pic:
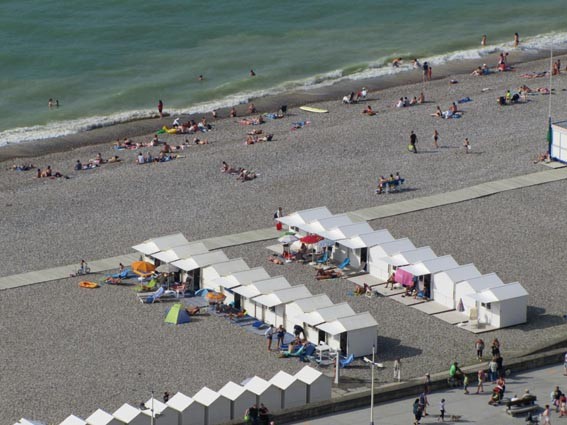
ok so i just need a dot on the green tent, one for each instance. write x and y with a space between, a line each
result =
177 315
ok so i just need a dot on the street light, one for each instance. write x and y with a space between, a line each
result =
372 365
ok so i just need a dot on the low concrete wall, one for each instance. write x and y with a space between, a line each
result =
409 388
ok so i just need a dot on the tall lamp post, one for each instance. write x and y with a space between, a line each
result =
372 365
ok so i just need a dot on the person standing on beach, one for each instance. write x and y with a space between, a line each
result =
467 145
398 369
435 138
269 336
429 73
413 142
483 41
425 68
481 376
160 108
516 39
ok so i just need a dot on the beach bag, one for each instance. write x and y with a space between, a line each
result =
410 148
278 226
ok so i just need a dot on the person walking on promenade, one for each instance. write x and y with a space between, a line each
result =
481 376
398 369
479 346
442 411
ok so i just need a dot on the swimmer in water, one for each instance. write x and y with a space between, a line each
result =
516 39
252 73
483 41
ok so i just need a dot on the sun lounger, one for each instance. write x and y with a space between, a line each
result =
160 295
124 274
150 287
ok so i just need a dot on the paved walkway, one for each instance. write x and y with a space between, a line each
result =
365 214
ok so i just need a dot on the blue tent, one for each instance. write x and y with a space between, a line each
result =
177 315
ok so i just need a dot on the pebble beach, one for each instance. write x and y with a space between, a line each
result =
80 350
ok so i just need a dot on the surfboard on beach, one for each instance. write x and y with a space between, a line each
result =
316 110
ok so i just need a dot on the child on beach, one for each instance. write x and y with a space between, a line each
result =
481 376
467 145
442 411
435 138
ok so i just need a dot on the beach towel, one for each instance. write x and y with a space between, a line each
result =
299 124
403 277
464 100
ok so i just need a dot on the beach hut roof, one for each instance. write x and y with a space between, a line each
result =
347 231
158 407
25 421
349 323
242 278
126 413
480 283
232 390
499 293
433 265
179 402
283 380
366 240
73 420
100 417
181 251
326 314
305 216
458 274
206 396
256 385
151 246
262 287
308 375
387 249
228 267
283 296
200 260
323 224
312 303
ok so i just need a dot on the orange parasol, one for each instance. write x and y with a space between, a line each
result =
216 297
142 266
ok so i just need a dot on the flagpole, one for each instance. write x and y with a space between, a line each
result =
550 80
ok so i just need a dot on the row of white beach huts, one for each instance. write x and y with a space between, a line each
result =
272 300
208 407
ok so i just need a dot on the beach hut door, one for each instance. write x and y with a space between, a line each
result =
344 339
237 301
322 337
363 255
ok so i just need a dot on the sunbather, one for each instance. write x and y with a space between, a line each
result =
275 259
327 274
361 289
22 167
391 280
369 111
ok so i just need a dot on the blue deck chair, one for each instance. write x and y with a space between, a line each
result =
344 264
345 362
324 258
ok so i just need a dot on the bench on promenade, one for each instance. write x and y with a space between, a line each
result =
521 405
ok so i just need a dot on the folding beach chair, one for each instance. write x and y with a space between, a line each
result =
347 361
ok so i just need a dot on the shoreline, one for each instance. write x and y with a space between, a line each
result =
146 126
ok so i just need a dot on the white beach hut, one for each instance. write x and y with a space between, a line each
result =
264 391
240 399
322 225
151 246
347 231
129 415
243 295
354 335
210 273
24 421
226 284
309 321
192 266
356 247
558 146
73 420
500 306
472 286
305 305
424 271
304 216
273 305
217 407
184 411
444 283
318 384
292 390
100 417
386 249
179 252
385 266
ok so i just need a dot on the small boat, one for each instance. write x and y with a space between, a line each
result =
89 285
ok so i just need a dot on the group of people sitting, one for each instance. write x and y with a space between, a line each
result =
508 98
385 185
165 155
252 139
362 289
95 162
49 173
192 126
481 70
23 167
404 102
242 174
355 98
452 112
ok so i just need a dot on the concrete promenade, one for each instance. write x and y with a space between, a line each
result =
365 214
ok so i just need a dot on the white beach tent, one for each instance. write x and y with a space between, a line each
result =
304 216
191 266
386 249
356 247
217 407
445 282
273 305
354 335
305 305
309 321
182 408
347 231
179 252
264 391
243 295
129 415
384 267
323 224
472 286
292 390
73 420
151 246
100 417
318 384
214 271
240 399
500 306
226 284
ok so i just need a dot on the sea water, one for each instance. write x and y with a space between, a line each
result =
110 61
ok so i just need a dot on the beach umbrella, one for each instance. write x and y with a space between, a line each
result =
167 268
142 266
460 306
311 239
287 239
215 297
